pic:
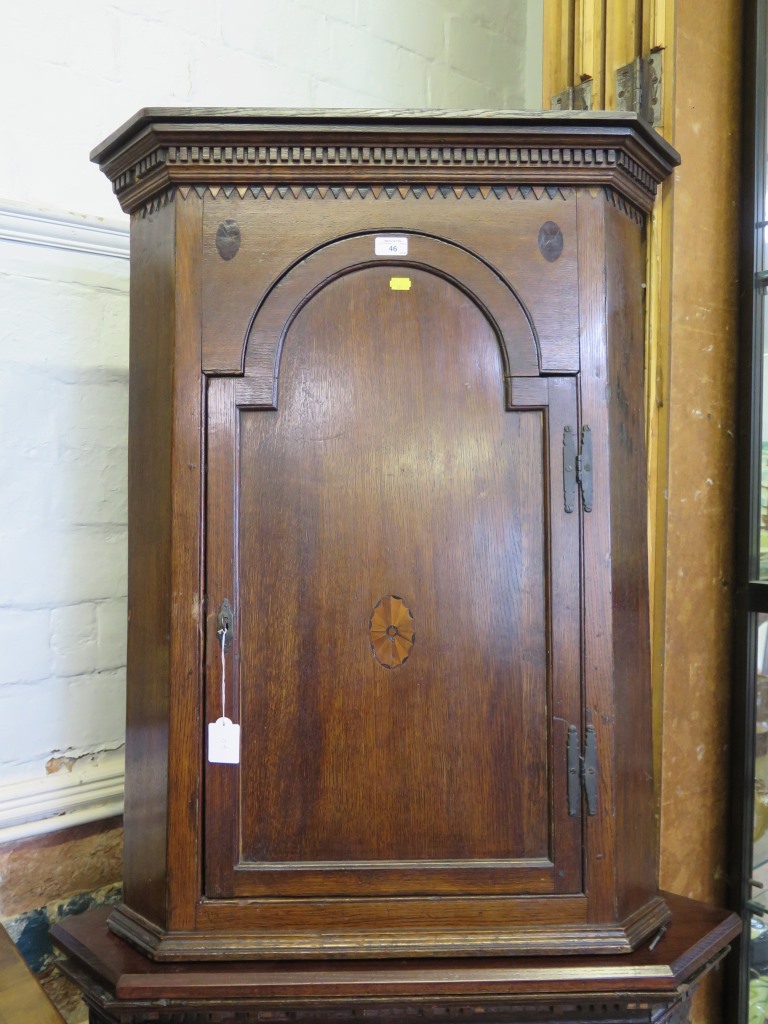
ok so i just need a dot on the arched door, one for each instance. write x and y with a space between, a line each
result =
405 585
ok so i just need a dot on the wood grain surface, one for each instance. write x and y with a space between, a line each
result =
313 440
391 467
22 1000
695 939
150 418
496 235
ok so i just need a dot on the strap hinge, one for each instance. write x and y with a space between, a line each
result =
577 468
638 87
582 770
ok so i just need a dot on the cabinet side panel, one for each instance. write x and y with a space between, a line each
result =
149 551
600 828
636 827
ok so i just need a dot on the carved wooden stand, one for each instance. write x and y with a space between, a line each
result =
648 986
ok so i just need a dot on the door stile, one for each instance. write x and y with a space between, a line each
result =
222 825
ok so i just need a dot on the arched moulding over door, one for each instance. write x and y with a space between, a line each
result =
485 287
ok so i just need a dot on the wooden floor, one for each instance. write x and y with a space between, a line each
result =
22 1000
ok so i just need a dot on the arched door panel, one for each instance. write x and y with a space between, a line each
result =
387 535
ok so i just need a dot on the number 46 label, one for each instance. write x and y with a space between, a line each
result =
390 245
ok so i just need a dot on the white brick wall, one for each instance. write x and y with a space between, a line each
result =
63 414
70 74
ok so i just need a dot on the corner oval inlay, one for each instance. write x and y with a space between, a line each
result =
550 241
391 631
228 239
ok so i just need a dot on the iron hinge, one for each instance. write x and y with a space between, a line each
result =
575 97
582 770
638 87
577 469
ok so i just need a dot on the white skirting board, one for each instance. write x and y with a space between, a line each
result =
90 790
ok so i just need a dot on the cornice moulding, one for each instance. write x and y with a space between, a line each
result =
158 150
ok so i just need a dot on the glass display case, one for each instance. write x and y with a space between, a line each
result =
749 865
757 903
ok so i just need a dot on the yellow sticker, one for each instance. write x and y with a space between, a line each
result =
400 284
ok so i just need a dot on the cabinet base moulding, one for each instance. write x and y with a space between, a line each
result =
330 941
652 986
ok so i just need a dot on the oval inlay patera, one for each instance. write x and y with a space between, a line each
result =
228 239
391 631
550 241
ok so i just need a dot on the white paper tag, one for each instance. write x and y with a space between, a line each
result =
388 245
223 742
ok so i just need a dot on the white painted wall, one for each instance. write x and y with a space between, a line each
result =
69 75
63 413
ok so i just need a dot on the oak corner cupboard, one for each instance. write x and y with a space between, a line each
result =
388 662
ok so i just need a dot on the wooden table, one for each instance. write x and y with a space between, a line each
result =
649 986
22 1000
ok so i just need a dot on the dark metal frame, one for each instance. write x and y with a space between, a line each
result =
751 592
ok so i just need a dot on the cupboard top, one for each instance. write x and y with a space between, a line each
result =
161 148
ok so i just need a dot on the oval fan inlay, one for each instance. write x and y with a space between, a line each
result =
391 632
